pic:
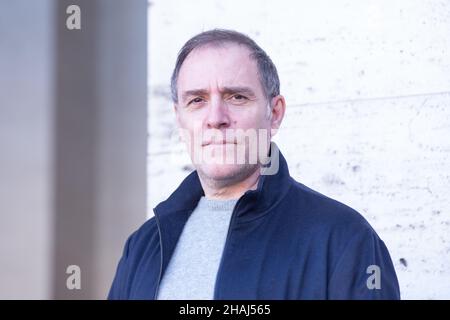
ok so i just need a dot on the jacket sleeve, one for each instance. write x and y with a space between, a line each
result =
364 271
119 288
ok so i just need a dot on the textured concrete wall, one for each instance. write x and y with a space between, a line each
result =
367 85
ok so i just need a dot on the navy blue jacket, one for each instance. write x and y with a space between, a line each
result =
285 241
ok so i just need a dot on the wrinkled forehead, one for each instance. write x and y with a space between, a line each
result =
219 65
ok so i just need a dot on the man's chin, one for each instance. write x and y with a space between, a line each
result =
226 172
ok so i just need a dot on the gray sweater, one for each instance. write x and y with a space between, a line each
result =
192 270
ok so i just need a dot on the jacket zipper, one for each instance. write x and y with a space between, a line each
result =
219 271
161 264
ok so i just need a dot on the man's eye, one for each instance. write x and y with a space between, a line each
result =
196 100
239 97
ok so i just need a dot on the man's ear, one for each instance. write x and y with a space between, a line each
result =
277 113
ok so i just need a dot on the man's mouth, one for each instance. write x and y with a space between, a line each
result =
217 143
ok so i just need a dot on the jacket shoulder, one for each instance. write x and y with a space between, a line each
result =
323 211
351 244
143 235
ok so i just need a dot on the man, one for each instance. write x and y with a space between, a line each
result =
239 227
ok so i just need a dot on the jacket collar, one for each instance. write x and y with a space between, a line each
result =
270 190
172 214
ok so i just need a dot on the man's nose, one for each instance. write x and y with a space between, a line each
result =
218 116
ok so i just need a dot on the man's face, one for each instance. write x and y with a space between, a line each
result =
220 102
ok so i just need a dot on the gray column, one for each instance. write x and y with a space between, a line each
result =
101 137
73 143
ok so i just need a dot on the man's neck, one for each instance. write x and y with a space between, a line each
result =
216 191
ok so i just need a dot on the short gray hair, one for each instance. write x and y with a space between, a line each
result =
267 71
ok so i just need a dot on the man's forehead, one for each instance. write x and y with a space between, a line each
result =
225 56
222 66
248 91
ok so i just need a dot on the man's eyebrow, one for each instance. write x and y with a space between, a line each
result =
227 90
242 90
194 92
